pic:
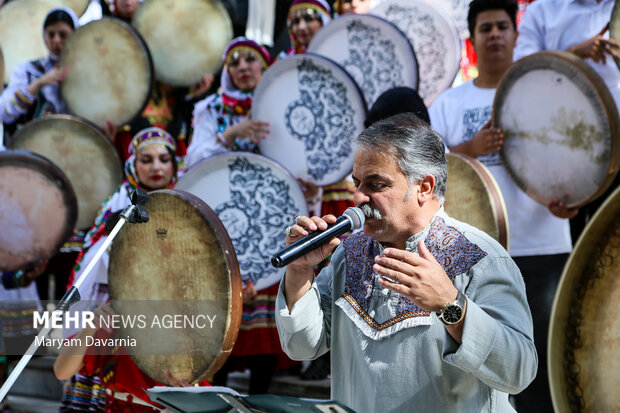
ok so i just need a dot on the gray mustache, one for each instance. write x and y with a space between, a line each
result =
370 211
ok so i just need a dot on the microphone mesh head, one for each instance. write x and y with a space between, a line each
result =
356 216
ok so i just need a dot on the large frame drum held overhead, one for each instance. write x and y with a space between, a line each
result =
561 127
21 32
82 151
255 198
110 72
473 196
179 260
186 37
372 50
584 333
78 6
434 38
314 109
38 209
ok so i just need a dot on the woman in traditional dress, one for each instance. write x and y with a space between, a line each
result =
33 88
169 107
222 124
305 19
113 382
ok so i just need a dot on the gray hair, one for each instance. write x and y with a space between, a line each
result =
417 148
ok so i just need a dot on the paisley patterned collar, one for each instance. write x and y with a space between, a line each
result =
450 248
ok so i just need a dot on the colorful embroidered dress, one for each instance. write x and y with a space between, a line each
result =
18 106
88 387
168 109
229 106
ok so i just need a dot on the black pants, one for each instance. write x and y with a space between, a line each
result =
541 274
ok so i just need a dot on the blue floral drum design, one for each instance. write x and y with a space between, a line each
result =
372 50
255 198
314 109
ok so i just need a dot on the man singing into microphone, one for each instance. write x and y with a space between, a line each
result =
421 312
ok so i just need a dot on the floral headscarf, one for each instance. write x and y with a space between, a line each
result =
142 139
319 8
237 101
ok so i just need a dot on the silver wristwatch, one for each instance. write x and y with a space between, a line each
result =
452 313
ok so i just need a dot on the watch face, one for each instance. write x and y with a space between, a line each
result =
452 314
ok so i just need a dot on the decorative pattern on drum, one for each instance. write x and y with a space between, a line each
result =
255 199
321 115
433 36
458 10
372 50
372 60
561 128
314 108
259 207
584 333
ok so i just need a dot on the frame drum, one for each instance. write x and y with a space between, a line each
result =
433 35
186 37
584 334
372 50
255 198
78 6
458 10
196 264
38 209
21 32
561 128
82 151
314 109
110 72
473 196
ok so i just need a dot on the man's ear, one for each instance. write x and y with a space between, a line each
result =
427 187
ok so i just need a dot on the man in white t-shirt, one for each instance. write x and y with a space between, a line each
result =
576 26
579 27
540 237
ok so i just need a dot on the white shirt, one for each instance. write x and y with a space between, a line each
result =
560 24
457 115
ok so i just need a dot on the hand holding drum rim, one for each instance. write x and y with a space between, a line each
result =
201 87
560 210
487 140
37 269
248 128
420 278
53 77
596 48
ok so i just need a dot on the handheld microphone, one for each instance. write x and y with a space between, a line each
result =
352 219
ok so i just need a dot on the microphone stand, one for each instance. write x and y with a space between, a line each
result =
135 213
